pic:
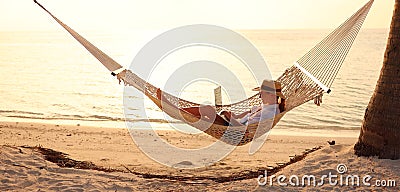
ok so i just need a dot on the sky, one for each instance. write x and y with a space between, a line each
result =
24 15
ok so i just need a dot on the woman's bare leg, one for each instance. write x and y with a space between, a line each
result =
206 113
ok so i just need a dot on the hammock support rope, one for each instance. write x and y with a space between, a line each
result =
310 76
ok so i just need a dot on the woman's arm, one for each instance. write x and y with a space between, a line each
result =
232 118
240 115
230 114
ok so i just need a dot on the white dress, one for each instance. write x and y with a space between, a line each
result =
260 113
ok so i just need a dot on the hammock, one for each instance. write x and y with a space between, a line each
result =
307 79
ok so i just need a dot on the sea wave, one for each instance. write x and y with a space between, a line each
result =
42 116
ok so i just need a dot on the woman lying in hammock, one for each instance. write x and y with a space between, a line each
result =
273 103
270 94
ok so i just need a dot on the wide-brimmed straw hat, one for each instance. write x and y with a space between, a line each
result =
271 86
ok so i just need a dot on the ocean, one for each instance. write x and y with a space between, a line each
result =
47 77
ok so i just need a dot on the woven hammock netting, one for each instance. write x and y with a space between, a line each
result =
310 76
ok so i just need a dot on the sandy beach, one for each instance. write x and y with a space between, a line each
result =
26 169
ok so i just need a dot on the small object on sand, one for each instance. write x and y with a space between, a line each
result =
78 124
185 163
280 164
69 134
332 142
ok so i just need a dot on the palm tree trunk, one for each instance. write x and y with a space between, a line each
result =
380 131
